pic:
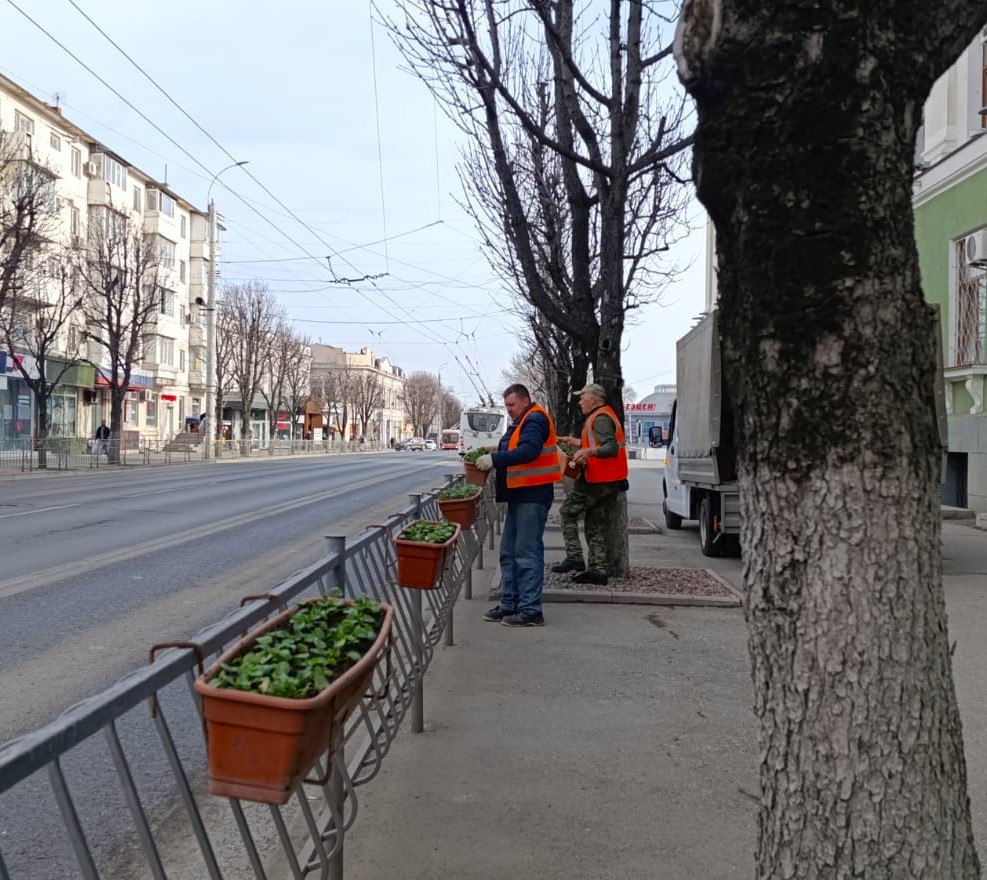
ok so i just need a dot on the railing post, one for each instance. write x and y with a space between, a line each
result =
468 584
337 791
417 636
336 545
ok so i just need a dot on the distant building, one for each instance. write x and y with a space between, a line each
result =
653 410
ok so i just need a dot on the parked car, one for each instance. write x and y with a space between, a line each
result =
430 446
416 444
401 446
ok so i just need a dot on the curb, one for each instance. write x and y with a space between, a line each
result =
614 597
957 513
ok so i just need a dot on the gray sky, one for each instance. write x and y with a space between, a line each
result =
290 87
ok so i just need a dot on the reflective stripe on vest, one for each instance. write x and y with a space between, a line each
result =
543 470
605 470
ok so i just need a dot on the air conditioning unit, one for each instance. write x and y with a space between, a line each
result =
975 248
90 169
145 396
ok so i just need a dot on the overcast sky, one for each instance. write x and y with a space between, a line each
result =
289 87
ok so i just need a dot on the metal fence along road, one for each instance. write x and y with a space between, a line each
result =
80 453
140 743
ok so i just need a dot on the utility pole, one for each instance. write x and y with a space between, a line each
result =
212 421
211 415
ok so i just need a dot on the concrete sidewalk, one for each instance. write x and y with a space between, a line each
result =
617 742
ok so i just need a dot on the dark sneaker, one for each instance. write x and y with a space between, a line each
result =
497 614
591 577
567 565
524 620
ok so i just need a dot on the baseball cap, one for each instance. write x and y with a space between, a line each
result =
593 388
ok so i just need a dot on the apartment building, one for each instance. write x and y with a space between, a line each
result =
950 200
96 184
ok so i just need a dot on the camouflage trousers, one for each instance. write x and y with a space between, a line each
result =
596 509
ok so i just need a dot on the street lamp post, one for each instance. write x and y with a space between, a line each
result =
211 415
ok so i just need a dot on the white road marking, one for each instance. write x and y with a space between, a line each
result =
39 510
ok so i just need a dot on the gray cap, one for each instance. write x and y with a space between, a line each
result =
594 388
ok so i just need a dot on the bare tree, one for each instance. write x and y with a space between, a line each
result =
28 211
367 394
821 311
573 176
421 400
298 379
121 276
225 338
38 320
334 386
281 351
252 316
452 408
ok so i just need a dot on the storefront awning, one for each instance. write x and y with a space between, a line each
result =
79 375
104 382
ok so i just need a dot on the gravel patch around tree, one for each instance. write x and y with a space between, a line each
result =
663 581
635 525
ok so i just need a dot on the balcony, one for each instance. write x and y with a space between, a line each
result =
196 336
197 378
199 249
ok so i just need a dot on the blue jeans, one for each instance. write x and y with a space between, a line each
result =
522 557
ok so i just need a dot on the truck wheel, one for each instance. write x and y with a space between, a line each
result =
672 520
706 533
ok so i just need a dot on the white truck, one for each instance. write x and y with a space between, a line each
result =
700 480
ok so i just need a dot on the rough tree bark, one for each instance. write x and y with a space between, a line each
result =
807 116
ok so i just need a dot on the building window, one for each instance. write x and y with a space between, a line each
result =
130 409
167 347
163 203
183 226
166 252
23 124
63 412
971 311
75 222
76 162
137 199
151 411
181 270
181 360
114 172
56 142
168 303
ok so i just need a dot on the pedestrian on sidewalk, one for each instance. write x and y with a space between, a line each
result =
595 492
102 445
527 467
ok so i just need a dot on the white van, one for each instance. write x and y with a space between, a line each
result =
481 426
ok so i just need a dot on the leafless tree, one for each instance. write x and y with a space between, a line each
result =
452 408
281 351
39 320
298 379
421 400
334 386
252 316
805 150
574 173
122 274
225 336
367 394
28 211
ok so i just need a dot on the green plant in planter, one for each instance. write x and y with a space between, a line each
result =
459 492
429 532
474 454
567 448
314 647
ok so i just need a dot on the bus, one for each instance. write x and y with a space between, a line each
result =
450 438
481 426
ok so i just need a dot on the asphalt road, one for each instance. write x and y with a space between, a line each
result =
95 568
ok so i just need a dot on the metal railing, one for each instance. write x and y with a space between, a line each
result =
151 765
75 453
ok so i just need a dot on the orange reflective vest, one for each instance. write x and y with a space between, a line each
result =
604 470
545 468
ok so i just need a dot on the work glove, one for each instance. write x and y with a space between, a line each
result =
485 462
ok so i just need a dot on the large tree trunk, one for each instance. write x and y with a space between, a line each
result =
41 435
804 158
116 424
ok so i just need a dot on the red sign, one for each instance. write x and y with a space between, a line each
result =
640 407
169 397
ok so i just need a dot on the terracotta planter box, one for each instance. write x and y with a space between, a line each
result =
261 747
419 564
474 475
461 511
